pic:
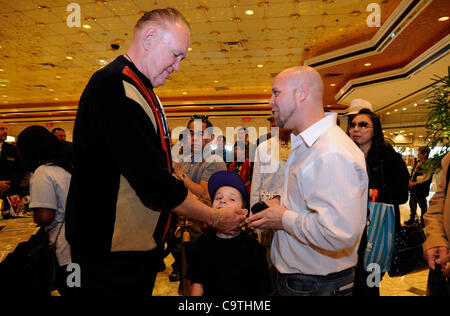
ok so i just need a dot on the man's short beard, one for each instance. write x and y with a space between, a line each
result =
280 123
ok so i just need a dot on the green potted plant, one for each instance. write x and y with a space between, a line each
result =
438 121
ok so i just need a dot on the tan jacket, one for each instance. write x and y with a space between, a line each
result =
437 218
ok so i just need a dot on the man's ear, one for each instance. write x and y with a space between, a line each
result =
301 93
148 36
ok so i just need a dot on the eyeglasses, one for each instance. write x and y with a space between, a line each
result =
363 125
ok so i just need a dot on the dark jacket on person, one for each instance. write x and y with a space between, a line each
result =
121 191
388 174
11 169
420 189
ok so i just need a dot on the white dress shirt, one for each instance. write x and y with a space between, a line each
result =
325 192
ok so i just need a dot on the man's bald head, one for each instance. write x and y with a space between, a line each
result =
297 95
301 76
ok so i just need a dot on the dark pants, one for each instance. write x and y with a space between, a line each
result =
437 284
362 287
414 199
334 284
121 273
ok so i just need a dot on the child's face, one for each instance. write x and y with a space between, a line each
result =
228 196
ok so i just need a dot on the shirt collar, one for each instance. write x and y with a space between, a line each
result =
133 67
312 133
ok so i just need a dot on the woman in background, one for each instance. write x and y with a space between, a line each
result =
388 178
45 156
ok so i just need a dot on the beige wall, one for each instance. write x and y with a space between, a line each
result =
15 129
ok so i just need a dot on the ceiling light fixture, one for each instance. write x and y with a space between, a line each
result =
249 12
443 18
355 13
367 64
260 66
86 26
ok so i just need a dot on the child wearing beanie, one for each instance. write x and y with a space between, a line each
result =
228 265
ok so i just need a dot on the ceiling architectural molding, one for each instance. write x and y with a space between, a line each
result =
405 12
428 58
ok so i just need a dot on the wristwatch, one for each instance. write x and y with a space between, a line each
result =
183 176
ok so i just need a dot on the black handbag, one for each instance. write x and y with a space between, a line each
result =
31 268
408 253
43 264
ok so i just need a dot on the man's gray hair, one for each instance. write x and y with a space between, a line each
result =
161 17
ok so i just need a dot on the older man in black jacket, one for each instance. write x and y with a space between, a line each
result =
122 191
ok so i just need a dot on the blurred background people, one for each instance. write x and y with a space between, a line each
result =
419 185
11 171
437 228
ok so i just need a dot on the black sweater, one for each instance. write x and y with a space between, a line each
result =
235 267
114 137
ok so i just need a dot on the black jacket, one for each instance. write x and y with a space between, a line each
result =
388 174
10 168
421 189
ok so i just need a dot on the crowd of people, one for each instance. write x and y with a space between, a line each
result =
112 206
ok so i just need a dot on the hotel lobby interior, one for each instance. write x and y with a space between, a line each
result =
384 51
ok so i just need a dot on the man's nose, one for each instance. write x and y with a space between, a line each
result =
176 65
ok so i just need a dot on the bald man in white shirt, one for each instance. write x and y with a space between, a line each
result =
322 213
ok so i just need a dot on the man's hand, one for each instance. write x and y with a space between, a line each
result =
444 261
270 218
274 202
177 168
4 186
230 220
433 254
